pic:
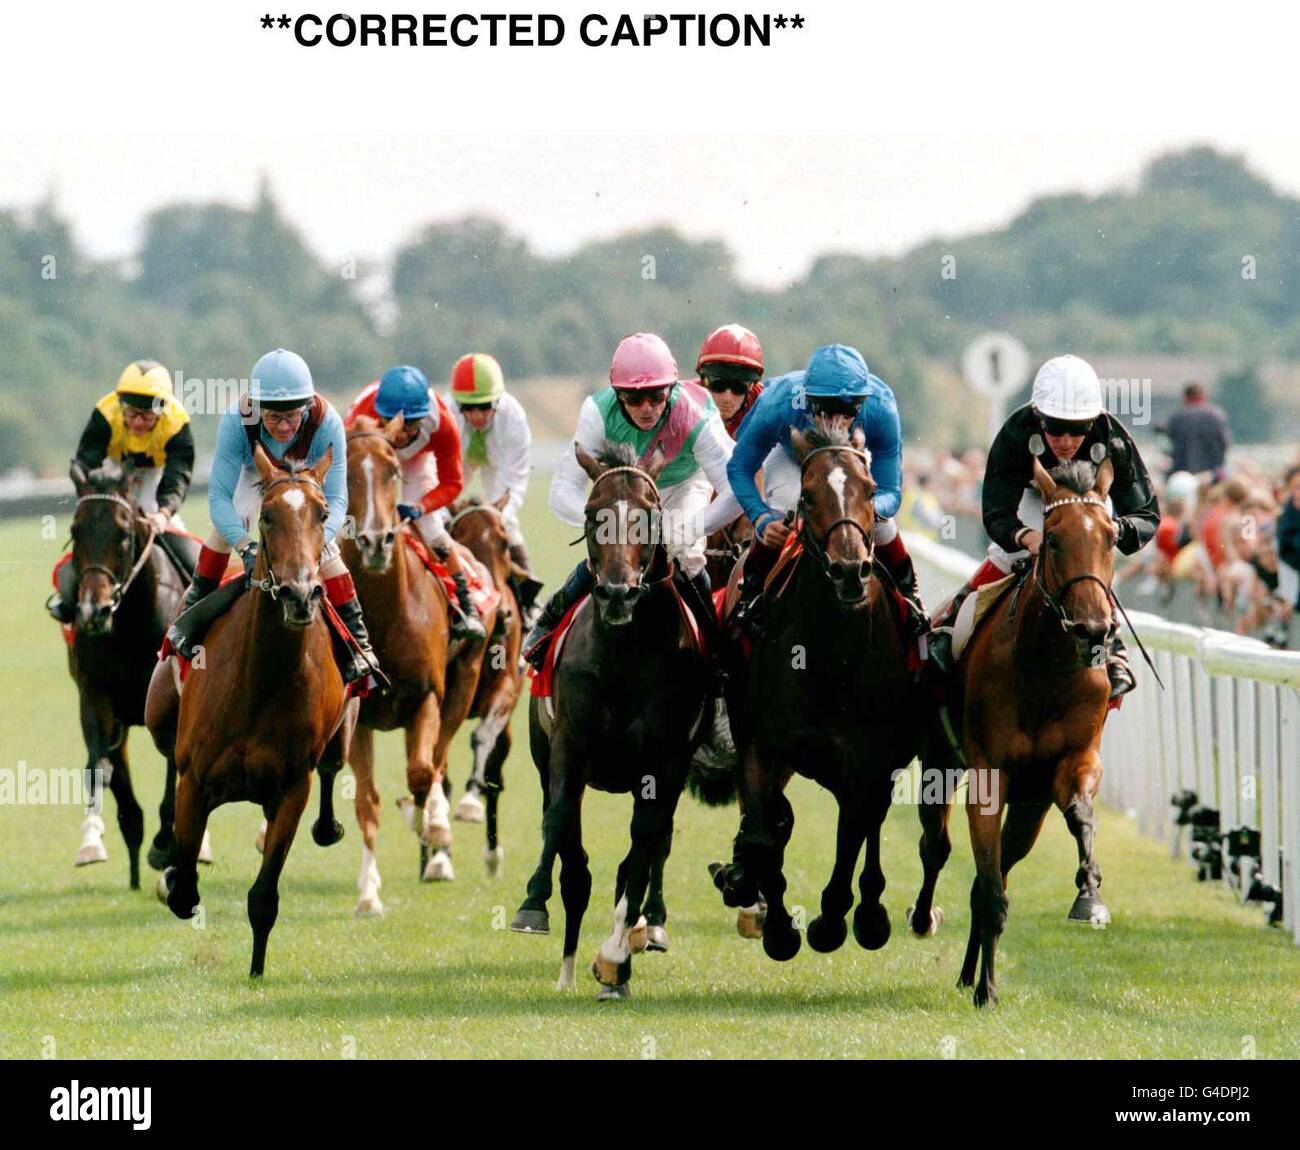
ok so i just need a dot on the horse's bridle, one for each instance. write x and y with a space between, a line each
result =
640 473
810 541
1054 599
470 509
271 584
119 586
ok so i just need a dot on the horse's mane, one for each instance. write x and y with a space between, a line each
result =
1077 475
618 455
827 431
364 423
107 477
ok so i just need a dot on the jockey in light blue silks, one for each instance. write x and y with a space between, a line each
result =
836 383
283 412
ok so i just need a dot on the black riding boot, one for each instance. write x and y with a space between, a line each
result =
748 613
358 664
62 605
1117 666
525 587
468 623
939 640
201 586
905 580
575 587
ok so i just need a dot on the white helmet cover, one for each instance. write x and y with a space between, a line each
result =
1066 387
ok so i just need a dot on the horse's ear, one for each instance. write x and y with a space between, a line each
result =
124 476
1046 486
322 466
262 461
393 428
1105 477
588 462
77 473
502 503
657 461
799 441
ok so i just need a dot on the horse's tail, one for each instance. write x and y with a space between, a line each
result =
711 777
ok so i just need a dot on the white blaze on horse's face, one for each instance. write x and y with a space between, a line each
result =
294 498
836 481
368 468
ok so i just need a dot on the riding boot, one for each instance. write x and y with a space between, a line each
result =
899 564
939 639
359 663
468 623
748 612
575 587
525 586
62 605
1121 676
208 571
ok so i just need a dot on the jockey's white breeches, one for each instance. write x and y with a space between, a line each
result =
783 481
144 488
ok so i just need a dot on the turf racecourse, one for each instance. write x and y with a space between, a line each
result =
89 969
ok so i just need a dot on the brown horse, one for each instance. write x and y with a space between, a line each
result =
480 528
127 593
629 694
827 693
266 707
433 683
1030 697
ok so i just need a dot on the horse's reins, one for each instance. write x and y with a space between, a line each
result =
271 584
1053 598
811 542
120 586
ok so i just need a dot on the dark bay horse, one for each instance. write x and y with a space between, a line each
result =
267 707
127 594
1031 699
480 528
433 681
827 693
629 692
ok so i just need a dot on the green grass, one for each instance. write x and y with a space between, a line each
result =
105 972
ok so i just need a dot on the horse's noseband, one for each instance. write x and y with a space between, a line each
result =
271 584
119 586
811 542
657 506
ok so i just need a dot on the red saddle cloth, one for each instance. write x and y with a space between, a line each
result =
486 597
542 682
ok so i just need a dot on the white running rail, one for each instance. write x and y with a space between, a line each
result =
1227 726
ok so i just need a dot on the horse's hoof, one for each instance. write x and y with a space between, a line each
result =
160 857
985 996
260 841
781 945
657 939
1089 910
439 868
470 808
326 834
638 938
614 993
369 907
531 922
921 929
827 934
567 979
94 852
871 926
749 921
494 857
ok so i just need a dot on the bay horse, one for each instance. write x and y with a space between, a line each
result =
267 706
481 530
629 693
1030 699
432 679
127 593
827 693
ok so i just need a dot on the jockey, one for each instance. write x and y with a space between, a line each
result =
283 412
142 422
495 441
730 365
428 446
648 406
836 382
1064 419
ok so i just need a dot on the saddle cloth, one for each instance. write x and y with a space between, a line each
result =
486 597
974 611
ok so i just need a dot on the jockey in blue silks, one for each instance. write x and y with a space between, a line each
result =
836 383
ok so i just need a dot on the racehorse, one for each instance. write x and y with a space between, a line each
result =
1031 694
827 693
266 707
127 593
433 683
629 694
480 528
